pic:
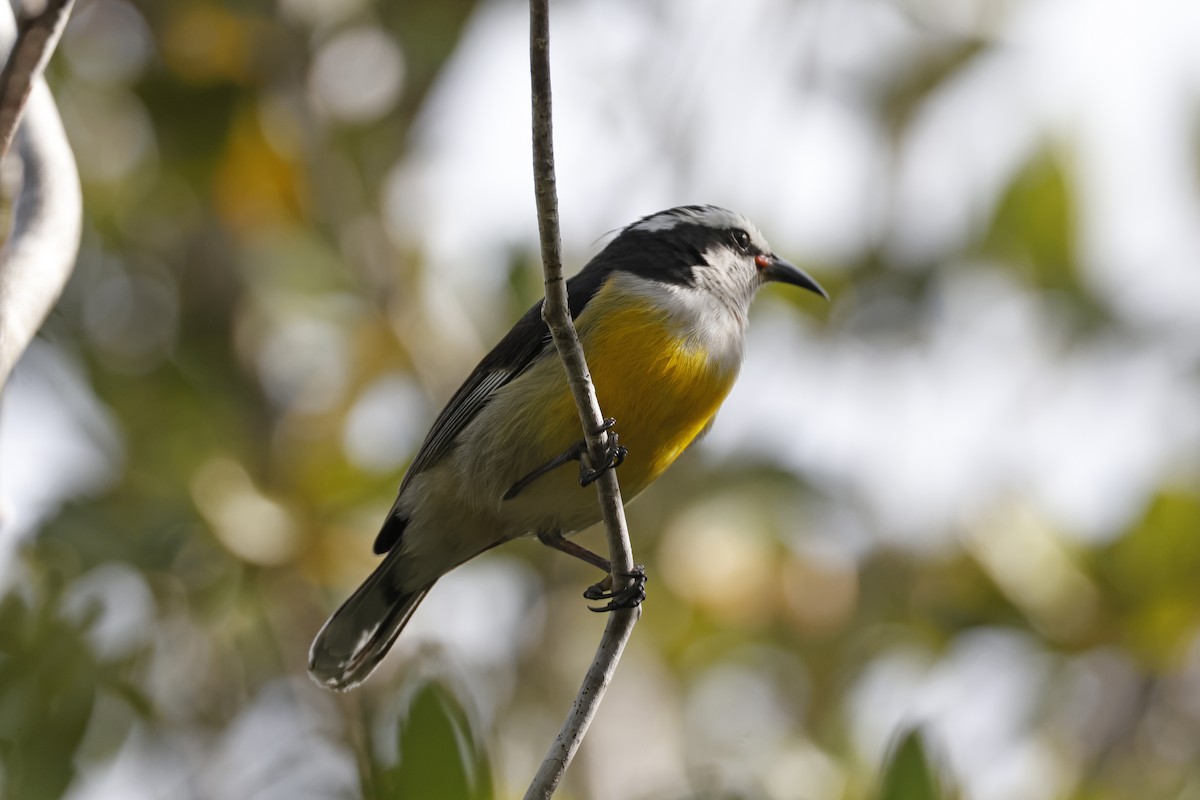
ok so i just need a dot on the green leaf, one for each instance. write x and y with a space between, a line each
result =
47 693
1034 228
438 753
1149 578
909 774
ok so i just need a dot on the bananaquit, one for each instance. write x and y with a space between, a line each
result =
661 313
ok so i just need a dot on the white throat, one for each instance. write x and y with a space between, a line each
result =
712 321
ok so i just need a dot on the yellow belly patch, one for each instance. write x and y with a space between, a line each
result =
662 389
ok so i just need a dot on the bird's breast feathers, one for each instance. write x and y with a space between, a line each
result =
662 361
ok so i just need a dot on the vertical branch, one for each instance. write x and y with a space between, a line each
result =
556 313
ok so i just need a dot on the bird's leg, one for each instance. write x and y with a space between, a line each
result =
572 453
613 458
562 544
629 597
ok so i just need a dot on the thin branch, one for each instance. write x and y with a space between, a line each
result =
39 254
37 37
557 314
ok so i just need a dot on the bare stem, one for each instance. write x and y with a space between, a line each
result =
556 313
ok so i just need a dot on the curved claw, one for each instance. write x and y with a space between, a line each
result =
614 458
629 597
600 590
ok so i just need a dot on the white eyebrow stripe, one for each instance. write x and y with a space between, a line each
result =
709 216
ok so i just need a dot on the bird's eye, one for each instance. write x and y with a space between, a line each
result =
742 240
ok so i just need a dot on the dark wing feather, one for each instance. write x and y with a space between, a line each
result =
527 340
463 406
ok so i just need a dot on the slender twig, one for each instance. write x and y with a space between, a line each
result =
43 241
558 317
37 36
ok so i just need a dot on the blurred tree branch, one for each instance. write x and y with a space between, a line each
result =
37 36
557 315
43 241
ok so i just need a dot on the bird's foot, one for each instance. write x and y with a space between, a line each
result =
629 597
614 455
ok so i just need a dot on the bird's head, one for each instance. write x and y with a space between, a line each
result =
704 248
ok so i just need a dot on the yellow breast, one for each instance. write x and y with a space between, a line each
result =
659 386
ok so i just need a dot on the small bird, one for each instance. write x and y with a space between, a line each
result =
661 312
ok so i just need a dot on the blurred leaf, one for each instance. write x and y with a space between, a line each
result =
439 756
206 43
47 692
1150 576
909 774
254 188
907 89
440 25
1034 226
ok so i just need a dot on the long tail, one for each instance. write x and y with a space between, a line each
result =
359 634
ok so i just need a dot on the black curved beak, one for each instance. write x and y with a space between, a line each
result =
780 270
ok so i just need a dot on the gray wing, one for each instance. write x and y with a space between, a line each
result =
528 340
516 351
470 399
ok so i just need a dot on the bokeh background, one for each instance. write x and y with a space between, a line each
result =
963 495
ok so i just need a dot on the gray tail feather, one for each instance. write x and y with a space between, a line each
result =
359 634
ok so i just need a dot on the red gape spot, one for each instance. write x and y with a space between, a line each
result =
762 262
